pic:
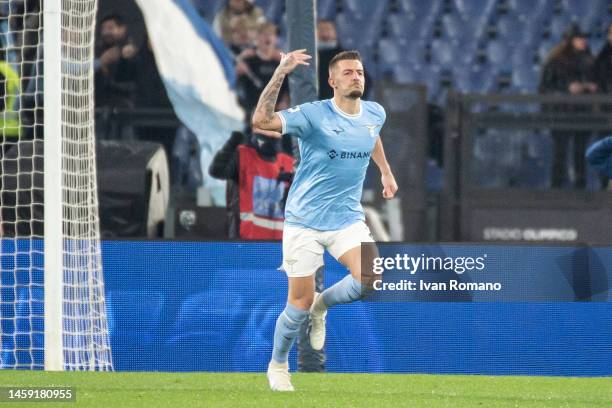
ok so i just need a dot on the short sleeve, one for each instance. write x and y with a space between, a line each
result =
295 121
383 114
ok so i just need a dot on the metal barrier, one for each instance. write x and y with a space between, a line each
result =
499 184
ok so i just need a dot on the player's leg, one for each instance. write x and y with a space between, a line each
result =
301 293
345 245
302 256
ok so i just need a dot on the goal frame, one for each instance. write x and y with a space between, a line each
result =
53 248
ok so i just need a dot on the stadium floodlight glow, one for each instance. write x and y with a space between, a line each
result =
52 305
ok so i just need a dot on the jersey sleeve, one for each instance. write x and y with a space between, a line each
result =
381 115
295 121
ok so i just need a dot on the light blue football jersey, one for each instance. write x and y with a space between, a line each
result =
335 150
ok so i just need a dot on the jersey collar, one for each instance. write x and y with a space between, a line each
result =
347 115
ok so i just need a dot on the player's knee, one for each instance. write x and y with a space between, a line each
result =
302 301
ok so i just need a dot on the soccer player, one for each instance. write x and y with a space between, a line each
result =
336 138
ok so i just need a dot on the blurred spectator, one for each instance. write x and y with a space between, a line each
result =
242 36
20 35
256 69
568 69
603 64
234 9
115 64
258 175
599 156
327 47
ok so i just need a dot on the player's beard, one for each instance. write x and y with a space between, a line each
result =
356 94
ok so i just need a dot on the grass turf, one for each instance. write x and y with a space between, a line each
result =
315 390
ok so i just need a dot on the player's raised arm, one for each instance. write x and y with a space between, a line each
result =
264 117
387 179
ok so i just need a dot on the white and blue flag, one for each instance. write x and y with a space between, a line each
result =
198 73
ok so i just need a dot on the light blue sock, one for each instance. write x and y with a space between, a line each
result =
287 329
346 291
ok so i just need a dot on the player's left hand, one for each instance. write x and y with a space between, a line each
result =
389 185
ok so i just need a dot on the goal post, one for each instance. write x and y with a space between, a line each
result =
53 252
52 303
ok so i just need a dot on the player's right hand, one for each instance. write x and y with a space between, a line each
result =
292 59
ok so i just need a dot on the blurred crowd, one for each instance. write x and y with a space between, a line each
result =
571 68
126 77
256 48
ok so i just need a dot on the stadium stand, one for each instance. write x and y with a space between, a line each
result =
469 46
433 36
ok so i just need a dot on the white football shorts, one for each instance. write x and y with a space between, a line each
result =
303 247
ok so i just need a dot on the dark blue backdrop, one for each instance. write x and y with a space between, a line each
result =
212 306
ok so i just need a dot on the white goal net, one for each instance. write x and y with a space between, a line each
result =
52 308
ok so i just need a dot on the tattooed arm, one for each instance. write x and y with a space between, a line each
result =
264 117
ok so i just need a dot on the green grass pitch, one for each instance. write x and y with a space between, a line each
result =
110 390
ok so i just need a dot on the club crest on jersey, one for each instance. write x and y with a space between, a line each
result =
372 129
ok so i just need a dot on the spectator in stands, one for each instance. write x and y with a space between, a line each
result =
327 47
603 64
568 69
115 64
20 27
115 75
242 37
20 67
599 156
256 70
234 9
258 176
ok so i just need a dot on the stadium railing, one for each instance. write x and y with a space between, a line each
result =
498 169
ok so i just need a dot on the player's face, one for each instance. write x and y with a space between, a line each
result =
347 78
